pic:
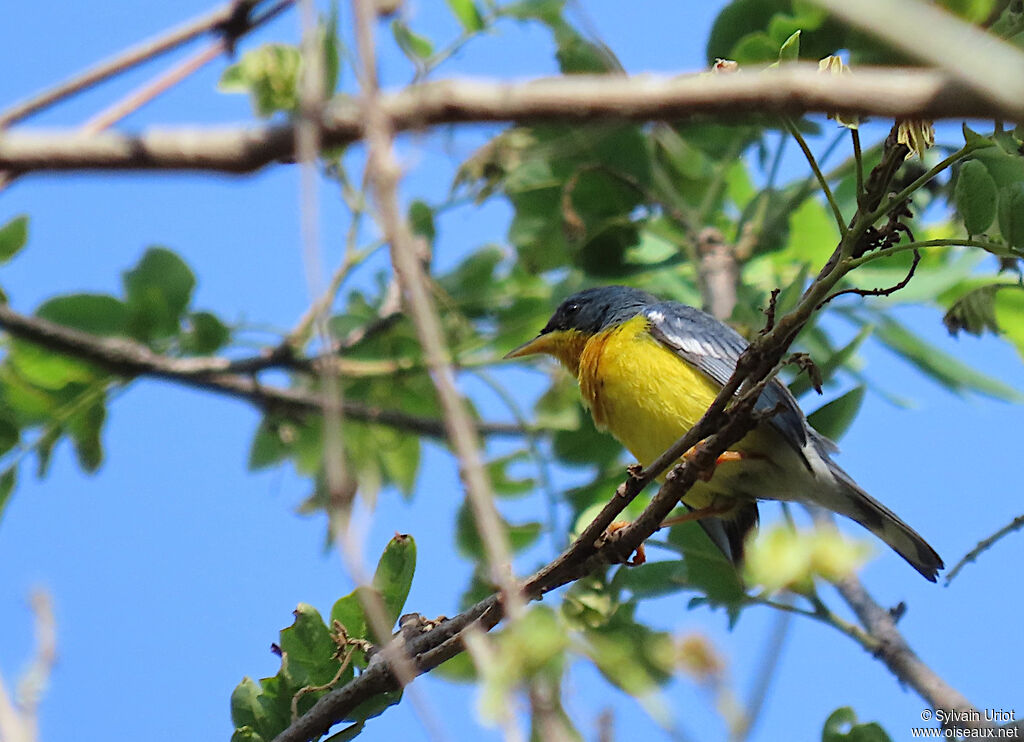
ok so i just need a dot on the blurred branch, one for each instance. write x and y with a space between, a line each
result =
131 359
382 175
237 25
897 655
985 63
984 545
795 90
231 20
18 719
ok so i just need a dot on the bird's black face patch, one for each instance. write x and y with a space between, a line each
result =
592 310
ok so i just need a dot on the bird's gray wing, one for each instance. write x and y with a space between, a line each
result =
714 348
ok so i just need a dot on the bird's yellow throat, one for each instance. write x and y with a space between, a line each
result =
636 388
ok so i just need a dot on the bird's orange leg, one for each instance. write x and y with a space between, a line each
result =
726 456
640 555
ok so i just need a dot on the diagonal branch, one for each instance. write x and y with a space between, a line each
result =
730 416
795 90
131 359
232 20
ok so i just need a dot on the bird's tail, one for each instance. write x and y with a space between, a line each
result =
850 500
729 534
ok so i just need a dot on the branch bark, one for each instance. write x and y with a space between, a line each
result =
130 359
231 19
903 93
726 421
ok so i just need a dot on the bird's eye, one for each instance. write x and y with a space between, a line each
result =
572 308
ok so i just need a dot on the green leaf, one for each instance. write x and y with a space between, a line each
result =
975 195
629 654
374 706
834 418
586 444
270 76
399 458
46 369
395 570
7 481
458 669
975 311
790 49
546 11
268 445
98 314
246 734
348 611
10 433
309 649
13 237
842 726
1009 310
505 485
467 538
245 707
417 48
421 220
578 55
85 428
1004 168
468 14
205 334
348 733
1011 213
974 138
939 365
157 290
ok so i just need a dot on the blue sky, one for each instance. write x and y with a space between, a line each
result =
173 568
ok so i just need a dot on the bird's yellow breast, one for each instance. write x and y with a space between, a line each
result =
639 390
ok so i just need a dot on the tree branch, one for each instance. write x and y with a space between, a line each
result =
725 422
897 655
131 359
231 19
795 90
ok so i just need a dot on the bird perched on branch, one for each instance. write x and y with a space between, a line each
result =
648 369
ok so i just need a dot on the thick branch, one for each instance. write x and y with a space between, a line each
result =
897 655
131 359
904 93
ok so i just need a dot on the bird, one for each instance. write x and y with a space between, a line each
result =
648 369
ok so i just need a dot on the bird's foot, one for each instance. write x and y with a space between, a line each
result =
640 555
705 474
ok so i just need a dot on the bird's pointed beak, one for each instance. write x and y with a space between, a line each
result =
543 343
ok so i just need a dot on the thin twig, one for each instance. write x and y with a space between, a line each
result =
859 163
822 182
992 247
984 545
889 291
765 675
231 19
164 82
